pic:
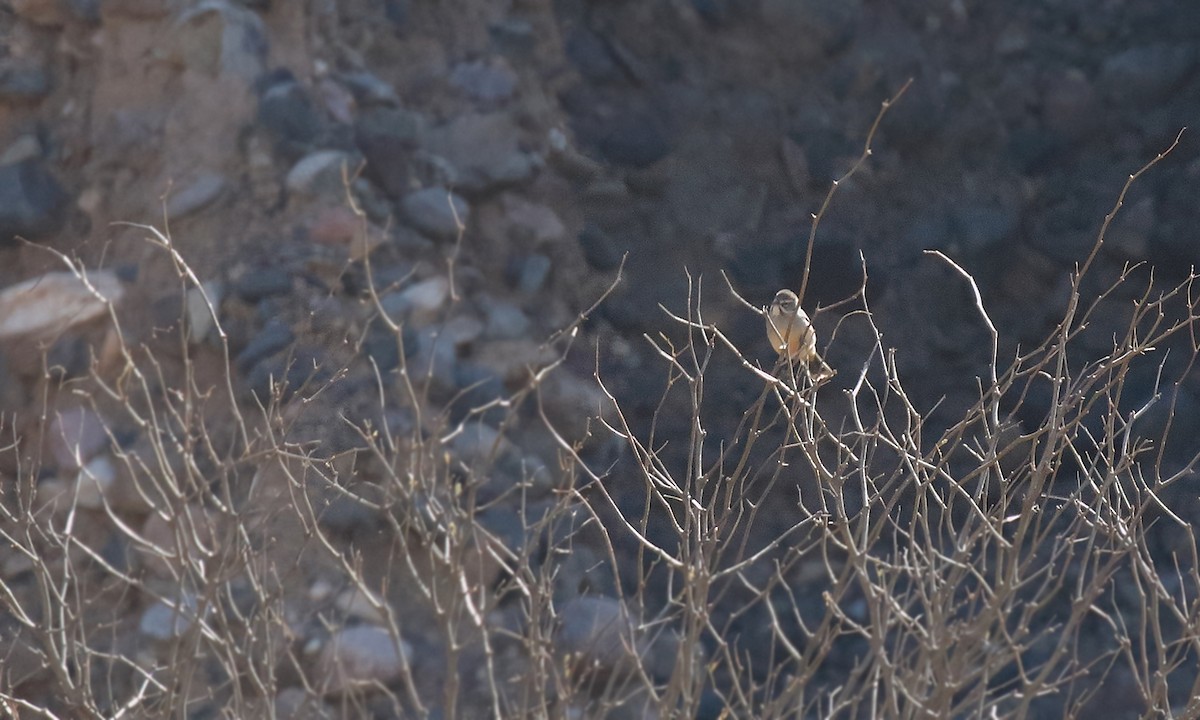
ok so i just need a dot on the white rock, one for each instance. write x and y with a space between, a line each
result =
360 655
318 172
419 303
360 604
56 301
95 480
200 321
201 192
161 621
75 436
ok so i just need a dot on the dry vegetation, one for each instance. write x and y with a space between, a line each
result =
983 568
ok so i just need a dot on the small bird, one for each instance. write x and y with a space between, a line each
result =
792 335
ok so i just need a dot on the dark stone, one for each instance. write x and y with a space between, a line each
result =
263 282
625 311
1147 74
368 89
714 13
302 369
528 273
68 357
23 84
836 266
591 56
396 11
436 212
289 114
274 336
817 28
387 138
514 37
823 147
913 122
600 251
381 346
350 515
1033 150
980 227
478 386
86 10
634 140
32 203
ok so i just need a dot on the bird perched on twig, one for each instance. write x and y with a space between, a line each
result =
792 335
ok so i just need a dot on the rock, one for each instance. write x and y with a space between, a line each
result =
599 250
214 37
165 621
362 655
1069 104
595 636
514 37
633 139
591 56
198 194
262 282
337 101
69 357
1033 150
1147 74
434 359
479 445
382 348
94 482
166 529
359 604
528 273
584 570
368 89
714 13
490 80
513 360
388 138
815 29
478 386
135 9
32 203
287 112
50 13
436 212
420 303
505 321
274 336
485 152
1129 235
572 404
20 83
296 704
981 226
87 11
75 436
201 316
54 302
462 330
568 160
139 467
531 222
26 147
323 172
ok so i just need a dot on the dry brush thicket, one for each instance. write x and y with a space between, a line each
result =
834 557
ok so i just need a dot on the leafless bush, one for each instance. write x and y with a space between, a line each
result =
835 555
